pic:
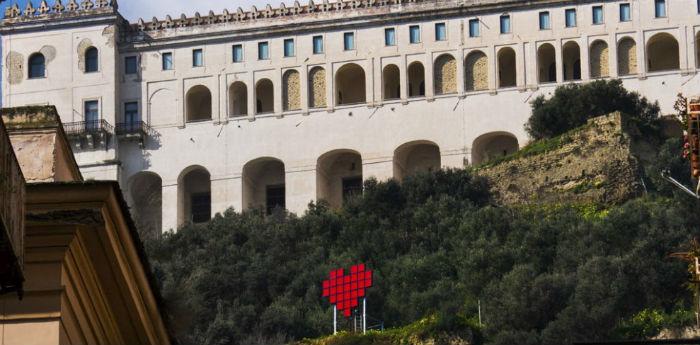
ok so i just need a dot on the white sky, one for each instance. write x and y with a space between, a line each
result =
133 9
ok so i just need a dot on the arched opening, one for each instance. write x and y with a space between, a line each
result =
198 104
416 80
91 60
662 53
416 157
338 176
238 99
194 192
263 184
476 71
390 77
350 85
37 66
445 75
572 61
264 97
317 85
547 63
146 192
291 90
507 72
493 145
600 65
627 56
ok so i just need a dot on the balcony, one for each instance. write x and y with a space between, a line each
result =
89 134
134 131
11 217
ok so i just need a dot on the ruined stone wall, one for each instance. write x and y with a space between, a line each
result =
445 75
627 57
600 65
291 91
477 72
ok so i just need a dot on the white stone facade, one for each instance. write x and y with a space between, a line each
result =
308 126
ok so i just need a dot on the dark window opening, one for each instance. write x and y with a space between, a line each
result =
201 207
91 60
274 198
352 186
37 66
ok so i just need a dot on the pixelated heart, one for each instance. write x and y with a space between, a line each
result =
344 291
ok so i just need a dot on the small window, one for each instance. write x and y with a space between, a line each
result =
660 8
289 47
130 65
318 44
274 198
263 51
474 28
197 58
390 37
625 13
544 21
352 187
37 66
92 115
570 15
167 61
91 60
505 24
598 15
131 113
441 31
414 33
349 41
237 53
201 207
698 6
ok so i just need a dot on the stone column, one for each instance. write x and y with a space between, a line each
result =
225 193
170 207
300 188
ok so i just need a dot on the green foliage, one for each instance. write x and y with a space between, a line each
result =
573 104
544 275
535 148
650 322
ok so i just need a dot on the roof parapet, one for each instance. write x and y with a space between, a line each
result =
14 14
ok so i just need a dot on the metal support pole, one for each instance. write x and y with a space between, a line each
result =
364 315
479 301
335 320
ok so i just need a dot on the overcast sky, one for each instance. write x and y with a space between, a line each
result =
133 9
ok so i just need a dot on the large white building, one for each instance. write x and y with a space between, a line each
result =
287 105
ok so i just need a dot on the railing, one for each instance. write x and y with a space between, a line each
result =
136 127
88 127
11 216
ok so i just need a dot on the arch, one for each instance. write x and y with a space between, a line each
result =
416 157
493 145
663 53
162 107
291 90
627 56
92 63
547 63
317 85
392 84
571 59
350 84
507 70
476 71
37 66
198 104
194 195
146 196
338 176
264 184
600 65
264 97
445 75
238 99
416 80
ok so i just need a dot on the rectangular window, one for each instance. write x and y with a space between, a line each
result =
570 15
473 28
660 8
414 33
598 15
318 44
197 58
625 13
274 198
390 37
131 113
130 65
349 41
201 207
289 47
505 24
237 53
352 186
544 21
167 61
441 31
263 51
92 115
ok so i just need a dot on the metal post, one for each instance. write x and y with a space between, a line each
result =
335 320
479 301
364 315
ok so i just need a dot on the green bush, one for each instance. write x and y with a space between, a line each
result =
573 104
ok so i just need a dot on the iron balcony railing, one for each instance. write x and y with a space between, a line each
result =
133 128
88 127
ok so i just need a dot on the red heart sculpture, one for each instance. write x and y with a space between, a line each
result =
344 291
